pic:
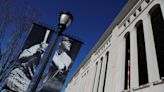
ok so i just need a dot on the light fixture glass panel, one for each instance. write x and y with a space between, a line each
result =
64 18
69 22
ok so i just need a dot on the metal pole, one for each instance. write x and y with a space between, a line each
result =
33 86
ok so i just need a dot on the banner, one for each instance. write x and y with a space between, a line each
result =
61 63
32 51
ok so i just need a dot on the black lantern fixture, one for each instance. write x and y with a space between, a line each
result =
65 20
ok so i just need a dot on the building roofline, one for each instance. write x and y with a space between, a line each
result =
126 9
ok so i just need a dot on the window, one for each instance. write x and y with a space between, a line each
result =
139 9
128 20
134 14
127 62
147 1
99 74
158 31
142 61
124 24
106 67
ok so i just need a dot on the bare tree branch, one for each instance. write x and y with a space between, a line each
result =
20 14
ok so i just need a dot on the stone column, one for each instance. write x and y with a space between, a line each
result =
87 82
80 85
92 76
134 75
153 72
118 81
162 8
83 83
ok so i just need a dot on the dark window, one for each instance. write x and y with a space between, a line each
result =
127 62
142 62
106 67
147 1
128 20
134 14
124 24
99 74
158 31
139 9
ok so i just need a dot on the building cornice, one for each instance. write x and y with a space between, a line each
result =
127 8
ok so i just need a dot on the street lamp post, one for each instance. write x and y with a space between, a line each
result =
65 20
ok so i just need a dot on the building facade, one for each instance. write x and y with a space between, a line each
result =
129 57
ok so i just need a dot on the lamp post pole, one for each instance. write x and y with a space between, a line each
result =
64 21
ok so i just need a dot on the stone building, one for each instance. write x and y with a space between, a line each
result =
129 57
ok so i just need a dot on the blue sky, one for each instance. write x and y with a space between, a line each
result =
91 19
